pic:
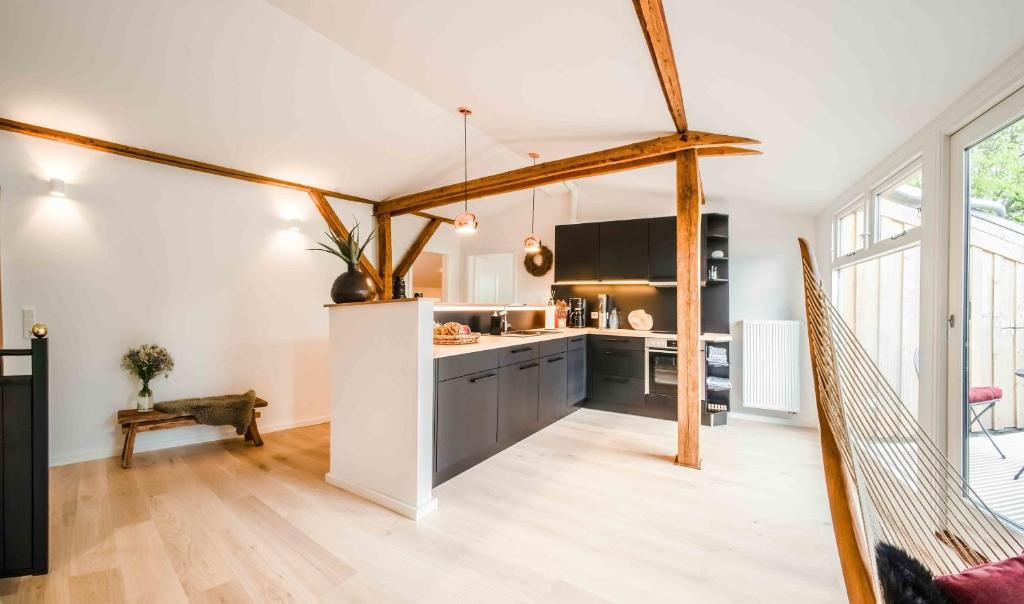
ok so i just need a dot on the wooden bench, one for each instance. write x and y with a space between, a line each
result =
132 422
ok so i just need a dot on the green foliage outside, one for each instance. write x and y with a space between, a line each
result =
997 170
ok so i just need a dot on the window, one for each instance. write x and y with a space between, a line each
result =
877 275
851 229
898 205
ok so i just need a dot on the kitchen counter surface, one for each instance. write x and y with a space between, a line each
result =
489 342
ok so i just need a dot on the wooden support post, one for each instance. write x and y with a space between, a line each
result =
384 255
688 306
417 246
334 223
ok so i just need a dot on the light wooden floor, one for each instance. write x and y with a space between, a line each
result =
588 510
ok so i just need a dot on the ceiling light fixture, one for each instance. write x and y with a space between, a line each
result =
293 225
465 222
58 188
531 245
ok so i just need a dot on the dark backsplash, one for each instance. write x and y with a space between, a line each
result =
480 321
659 302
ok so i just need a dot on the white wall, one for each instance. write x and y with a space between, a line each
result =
765 279
145 253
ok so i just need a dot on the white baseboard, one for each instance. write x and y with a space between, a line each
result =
766 419
217 433
385 501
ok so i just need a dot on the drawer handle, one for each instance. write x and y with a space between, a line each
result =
615 339
556 359
518 350
580 339
616 380
528 366
482 378
616 354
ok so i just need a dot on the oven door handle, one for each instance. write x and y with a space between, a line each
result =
663 350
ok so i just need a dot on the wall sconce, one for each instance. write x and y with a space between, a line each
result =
293 225
58 188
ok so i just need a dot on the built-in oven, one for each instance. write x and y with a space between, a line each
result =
662 363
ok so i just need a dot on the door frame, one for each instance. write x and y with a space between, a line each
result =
1000 115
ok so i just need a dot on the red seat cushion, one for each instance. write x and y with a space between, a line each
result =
984 394
996 583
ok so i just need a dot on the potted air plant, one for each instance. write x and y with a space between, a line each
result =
147 362
353 285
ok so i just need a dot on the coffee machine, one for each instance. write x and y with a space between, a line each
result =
577 312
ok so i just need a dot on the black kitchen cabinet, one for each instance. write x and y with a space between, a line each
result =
661 248
576 373
553 388
617 368
623 249
618 390
518 412
576 252
624 363
466 420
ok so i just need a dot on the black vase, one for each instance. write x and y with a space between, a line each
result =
352 286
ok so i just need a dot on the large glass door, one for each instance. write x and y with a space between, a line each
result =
986 377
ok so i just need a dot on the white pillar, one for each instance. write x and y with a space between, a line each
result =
382 386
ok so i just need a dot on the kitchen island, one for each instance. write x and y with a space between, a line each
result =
407 414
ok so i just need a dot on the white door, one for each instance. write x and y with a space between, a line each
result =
986 282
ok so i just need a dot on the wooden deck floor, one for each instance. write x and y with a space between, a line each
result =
992 476
587 510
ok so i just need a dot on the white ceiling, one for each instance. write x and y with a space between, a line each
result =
360 95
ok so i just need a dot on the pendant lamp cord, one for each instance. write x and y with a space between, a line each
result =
533 204
465 162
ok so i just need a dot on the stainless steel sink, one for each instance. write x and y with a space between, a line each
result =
526 333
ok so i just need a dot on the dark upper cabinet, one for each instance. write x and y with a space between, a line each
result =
661 247
576 251
623 249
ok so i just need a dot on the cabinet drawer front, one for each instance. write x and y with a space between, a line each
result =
548 347
553 387
465 364
576 374
516 354
623 363
576 342
621 342
518 400
618 390
467 418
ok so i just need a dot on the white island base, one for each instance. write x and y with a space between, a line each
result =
382 419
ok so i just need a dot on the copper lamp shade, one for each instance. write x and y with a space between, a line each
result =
465 223
531 244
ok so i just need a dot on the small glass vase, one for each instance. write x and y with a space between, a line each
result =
144 402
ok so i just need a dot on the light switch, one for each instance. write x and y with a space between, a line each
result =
593 314
28 319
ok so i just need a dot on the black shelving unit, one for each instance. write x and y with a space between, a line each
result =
714 298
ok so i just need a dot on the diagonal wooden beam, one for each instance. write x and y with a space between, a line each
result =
384 255
589 164
651 14
334 223
172 160
417 246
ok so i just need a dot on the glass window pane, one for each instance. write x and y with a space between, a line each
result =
899 206
851 235
880 300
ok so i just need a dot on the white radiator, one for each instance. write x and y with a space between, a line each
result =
771 365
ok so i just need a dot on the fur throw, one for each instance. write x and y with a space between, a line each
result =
229 410
905 580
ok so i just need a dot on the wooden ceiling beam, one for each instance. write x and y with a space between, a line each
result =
339 230
651 14
175 161
417 246
607 161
